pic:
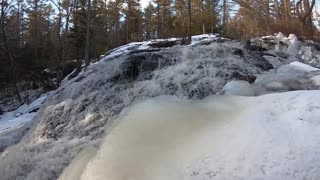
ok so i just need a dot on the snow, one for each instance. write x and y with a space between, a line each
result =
288 77
317 23
316 80
303 67
197 39
239 88
296 68
13 124
146 45
275 136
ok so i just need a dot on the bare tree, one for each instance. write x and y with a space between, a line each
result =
5 5
190 20
87 48
304 14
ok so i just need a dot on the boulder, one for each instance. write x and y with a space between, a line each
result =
238 88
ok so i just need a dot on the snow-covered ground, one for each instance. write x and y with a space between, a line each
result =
14 124
96 103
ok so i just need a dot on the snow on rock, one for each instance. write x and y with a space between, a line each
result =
294 44
14 124
296 67
316 80
9 102
204 39
275 136
306 51
238 88
278 42
303 67
289 77
154 45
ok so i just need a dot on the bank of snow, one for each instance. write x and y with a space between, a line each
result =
14 124
274 136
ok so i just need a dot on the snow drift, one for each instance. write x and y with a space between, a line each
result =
15 123
268 137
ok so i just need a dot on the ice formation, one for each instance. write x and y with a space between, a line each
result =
268 137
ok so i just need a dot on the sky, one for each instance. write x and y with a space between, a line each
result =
144 3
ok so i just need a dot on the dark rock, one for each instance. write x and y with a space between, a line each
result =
17 114
257 59
269 54
79 79
282 54
238 52
316 46
246 77
253 47
34 110
200 66
34 85
143 51
68 67
164 44
73 74
141 65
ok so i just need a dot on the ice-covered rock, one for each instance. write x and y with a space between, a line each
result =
303 67
296 67
294 44
316 80
238 88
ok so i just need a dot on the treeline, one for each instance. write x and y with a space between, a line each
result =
38 34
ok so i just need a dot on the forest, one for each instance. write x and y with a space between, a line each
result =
41 38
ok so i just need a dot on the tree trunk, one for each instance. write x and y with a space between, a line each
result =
306 16
87 48
190 20
224 20
5 48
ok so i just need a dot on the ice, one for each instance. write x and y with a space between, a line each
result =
267 137
316 80
303 67
238 88
294 44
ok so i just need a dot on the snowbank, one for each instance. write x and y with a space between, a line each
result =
238 88
14 124
274 136
304 67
